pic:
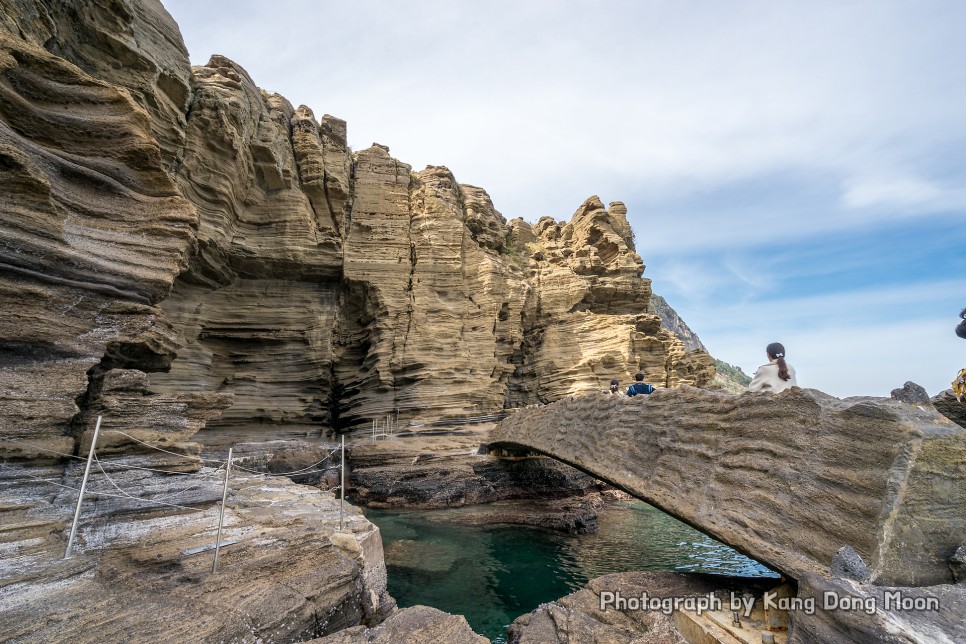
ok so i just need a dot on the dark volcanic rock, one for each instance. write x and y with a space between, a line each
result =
947 405
957 563
447 471
848 564
911 393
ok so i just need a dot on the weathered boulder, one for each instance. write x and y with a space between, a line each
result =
787 478
946 404
847 612
911 393
413 625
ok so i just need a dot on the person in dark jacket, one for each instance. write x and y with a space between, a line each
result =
639 387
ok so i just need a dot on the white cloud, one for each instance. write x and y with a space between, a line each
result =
867 360
859 342
903 192
544 103
726 127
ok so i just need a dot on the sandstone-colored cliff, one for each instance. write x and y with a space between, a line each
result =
184 223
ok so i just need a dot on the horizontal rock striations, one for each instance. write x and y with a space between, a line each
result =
141 568
788 479
184 223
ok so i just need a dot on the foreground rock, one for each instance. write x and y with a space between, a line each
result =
877 614
788 479
581 616
141 569
414 625
818 609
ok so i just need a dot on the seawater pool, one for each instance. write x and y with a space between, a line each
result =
492 574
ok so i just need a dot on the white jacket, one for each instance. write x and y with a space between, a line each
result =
766 379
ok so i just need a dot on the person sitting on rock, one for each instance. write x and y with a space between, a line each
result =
959 384
775 376
615 387
639 387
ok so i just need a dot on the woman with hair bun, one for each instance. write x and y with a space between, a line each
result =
775 376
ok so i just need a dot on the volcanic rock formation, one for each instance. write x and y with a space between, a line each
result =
184 223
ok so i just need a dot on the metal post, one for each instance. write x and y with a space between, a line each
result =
80 497
342 488
221 519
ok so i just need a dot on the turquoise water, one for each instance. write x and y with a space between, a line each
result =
494 574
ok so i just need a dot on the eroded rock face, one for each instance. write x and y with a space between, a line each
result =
444 471
95 230
788 478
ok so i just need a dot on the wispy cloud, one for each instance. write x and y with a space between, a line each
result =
792 170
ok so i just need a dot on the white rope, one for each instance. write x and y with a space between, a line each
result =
204 476
305 471
115 464
155 447
135 498
116 496
294 472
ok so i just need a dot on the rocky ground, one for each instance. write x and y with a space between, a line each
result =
142 571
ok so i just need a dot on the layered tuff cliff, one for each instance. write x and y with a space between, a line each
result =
184 224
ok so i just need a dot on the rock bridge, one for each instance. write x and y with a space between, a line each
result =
788 479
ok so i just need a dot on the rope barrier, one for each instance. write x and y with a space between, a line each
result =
155 447
108 494
123 465
125 494
205 476
294 472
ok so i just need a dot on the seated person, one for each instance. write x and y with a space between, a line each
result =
775 376
639 387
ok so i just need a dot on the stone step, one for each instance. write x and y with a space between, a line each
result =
717 627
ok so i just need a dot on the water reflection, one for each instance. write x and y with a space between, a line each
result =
494 574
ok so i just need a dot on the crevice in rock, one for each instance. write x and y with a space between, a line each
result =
118 355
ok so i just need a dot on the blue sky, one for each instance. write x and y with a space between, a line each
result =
793 171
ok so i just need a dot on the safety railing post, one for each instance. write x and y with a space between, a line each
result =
83 488
342 488
221 518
